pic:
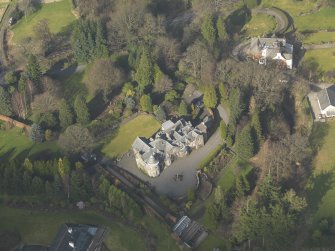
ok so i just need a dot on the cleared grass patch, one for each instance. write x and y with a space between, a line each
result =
323 19
320 37
214 241
324 57
259 25
14 142
293 7
306 14
58 14
141 126
164 241
322 184
38 227
325 159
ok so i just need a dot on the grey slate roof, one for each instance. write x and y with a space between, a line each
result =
140 145
167 125
84 238
326 97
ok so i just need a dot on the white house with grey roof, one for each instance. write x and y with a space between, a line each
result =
277 49
175 140
326 101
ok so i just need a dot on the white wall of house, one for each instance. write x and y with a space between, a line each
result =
328 112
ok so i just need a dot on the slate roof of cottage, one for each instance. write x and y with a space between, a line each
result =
273 45
83 237
327 97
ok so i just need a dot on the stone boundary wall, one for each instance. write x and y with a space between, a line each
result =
14 122
50 1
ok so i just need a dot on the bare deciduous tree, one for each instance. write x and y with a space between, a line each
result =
104 76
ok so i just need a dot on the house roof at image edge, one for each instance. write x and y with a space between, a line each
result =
83 237
327 97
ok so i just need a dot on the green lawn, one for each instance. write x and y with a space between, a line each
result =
323 19
58 14
319 37
14 142
162 233
259 25
316 20
324 57
38 227
322 183
293 7
143 125
214 241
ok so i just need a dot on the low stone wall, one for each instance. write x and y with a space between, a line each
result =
14 122
50 1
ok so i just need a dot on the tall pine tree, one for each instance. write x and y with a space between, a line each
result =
208 30
81 109
34 71
66 116
245 146
5 107
210 98
145 71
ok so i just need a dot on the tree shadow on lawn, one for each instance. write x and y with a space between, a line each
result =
7 155
46 154
318 135
318 187
97 105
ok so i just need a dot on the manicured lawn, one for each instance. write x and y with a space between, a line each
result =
322 183
325 159
41 227
14 142
58 14
319 37
259 25
142 126
324 57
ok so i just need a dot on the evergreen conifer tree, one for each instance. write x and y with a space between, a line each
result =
66 116
208 30
145 71
245 146
146 103
81 110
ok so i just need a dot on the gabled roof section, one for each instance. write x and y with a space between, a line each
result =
327 97
141 145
